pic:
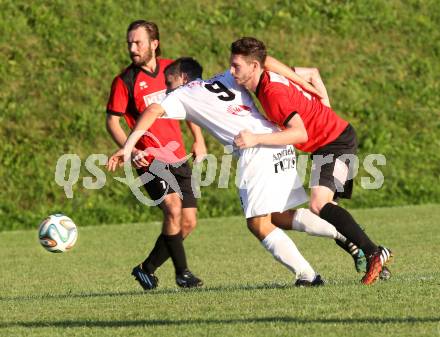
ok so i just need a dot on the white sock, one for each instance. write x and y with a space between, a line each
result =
306 221
284 251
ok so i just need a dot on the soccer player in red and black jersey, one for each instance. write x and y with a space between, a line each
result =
138 86
312 127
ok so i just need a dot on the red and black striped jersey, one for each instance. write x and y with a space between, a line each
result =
281 99
135 89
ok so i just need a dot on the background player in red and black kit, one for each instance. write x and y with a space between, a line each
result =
312 127
141 84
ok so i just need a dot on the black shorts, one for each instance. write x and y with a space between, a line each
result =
158 187
333 164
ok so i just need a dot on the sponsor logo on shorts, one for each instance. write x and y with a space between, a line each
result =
284 164
289 151
284 160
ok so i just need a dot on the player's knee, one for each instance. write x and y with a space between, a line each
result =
260 227
252 226
171 224
188 225
172 212
316 206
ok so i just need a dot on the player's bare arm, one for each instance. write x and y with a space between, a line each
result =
115 130
294 133
272 64
198 148
313 76
308 78
118 134
147 118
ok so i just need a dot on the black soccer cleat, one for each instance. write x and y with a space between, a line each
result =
146 280
187 280
317 282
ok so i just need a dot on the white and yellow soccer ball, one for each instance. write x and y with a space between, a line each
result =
57 233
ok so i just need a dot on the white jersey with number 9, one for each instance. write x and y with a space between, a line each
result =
268 180
219 105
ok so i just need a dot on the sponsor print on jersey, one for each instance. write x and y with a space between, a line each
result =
155 97
239 110
284 160
194 84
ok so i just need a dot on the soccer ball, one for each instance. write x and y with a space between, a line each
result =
57 233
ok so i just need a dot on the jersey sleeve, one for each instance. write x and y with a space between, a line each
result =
173 106
118 100
278 104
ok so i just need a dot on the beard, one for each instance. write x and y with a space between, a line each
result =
142 60
242 80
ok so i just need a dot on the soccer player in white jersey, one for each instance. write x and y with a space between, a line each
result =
268 182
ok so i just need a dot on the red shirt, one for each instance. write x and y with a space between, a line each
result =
135 89
282 99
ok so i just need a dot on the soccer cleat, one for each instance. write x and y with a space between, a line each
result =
386 255
187 280
387 258
146 280
317 282
374 267
375 264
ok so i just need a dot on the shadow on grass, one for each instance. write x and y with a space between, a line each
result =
175 291
170 322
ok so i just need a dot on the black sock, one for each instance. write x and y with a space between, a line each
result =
158 255
347 226
177 251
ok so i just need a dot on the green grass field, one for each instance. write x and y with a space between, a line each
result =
379 60
89 291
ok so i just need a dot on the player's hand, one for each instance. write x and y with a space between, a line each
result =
116 160
138 159
199 151
245 139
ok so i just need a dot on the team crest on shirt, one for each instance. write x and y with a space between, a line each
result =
143 85
239 110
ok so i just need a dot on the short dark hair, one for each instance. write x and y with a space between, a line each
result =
251 48
150 27
185 65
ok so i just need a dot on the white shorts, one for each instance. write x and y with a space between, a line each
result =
267 180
